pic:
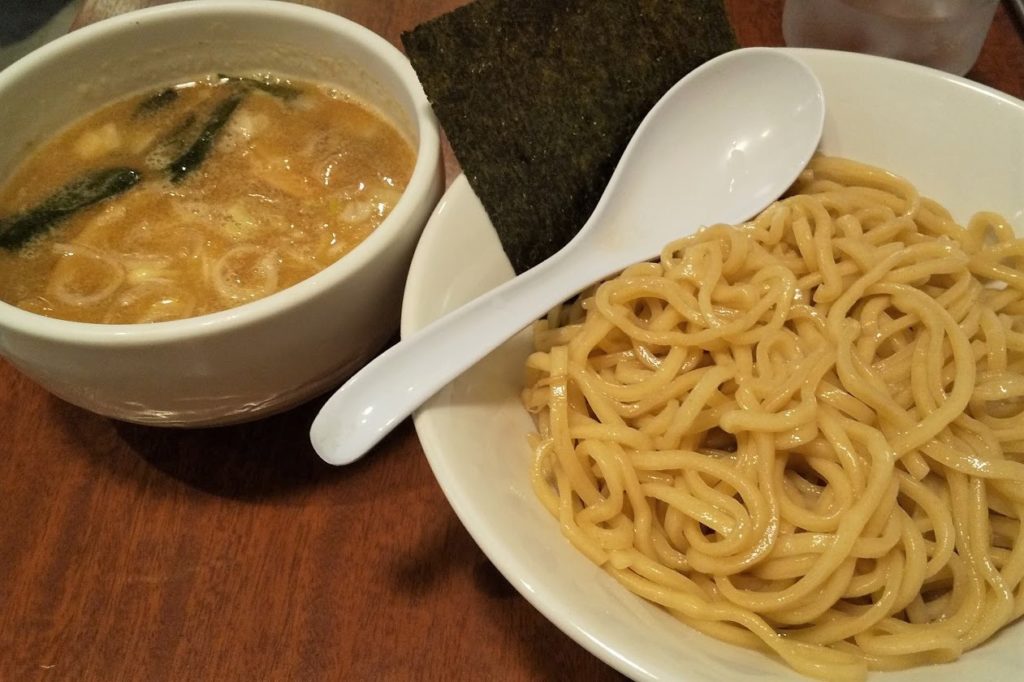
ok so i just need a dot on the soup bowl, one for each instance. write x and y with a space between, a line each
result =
267 355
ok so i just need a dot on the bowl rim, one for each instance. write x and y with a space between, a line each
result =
423 176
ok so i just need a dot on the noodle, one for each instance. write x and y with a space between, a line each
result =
804 434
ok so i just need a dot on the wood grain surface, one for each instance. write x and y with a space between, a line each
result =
133 553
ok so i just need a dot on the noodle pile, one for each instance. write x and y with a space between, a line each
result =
803 434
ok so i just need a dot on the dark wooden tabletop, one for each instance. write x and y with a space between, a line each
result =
233 553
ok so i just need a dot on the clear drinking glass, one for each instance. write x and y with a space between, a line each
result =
944 34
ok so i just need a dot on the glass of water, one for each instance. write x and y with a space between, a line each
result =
944 34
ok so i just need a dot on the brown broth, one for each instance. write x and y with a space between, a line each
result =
290 184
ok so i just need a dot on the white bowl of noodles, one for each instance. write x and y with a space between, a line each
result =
263 356
956 141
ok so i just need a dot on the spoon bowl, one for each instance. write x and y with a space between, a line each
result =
718 147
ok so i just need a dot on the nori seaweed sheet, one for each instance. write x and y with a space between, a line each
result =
539 98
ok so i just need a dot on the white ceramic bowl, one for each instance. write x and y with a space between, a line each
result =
959 142
264 356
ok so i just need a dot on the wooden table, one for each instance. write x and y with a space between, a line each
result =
235 554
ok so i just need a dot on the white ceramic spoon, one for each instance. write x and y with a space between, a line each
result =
722 144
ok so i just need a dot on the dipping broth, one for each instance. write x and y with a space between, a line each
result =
196 198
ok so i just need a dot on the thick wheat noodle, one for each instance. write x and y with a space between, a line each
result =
802 434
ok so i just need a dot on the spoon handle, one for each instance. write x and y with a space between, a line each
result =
388 389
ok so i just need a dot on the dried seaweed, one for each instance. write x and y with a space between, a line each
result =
539 98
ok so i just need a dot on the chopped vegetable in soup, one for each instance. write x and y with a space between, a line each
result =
196 198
